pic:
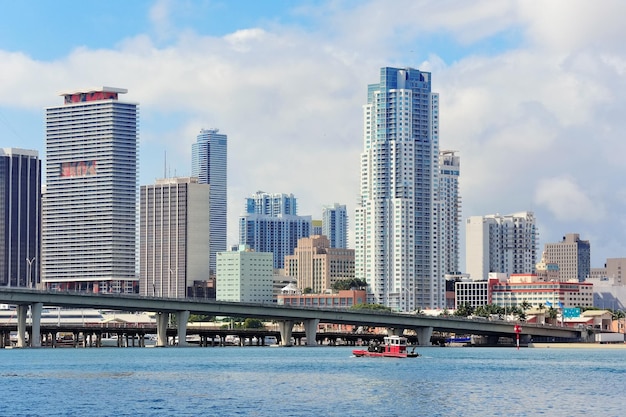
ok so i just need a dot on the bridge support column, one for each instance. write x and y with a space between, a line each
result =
310 330
21 325
161 321
423 335
285 327
35 340
182 317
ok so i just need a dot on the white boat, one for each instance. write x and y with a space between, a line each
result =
114 341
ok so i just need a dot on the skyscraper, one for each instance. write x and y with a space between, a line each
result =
174 237
395 231
209 165
20 224
572 255
89 211
449 202
501 243
335 225
271 224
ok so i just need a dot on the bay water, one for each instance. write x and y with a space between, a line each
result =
311 381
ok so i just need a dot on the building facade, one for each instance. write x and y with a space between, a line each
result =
20 211
317 266
497 243
316 227
174 237
271 224
209 156
335 225
244 275
572 255
449 209
526 287
396 242
471 293
90 203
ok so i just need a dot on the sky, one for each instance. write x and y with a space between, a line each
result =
532 94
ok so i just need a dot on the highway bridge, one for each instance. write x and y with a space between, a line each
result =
180 309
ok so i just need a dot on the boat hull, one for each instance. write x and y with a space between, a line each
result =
365 353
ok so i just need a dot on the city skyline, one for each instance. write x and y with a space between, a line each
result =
527 98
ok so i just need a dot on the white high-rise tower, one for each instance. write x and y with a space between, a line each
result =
396 234
90 203
449 201
501 243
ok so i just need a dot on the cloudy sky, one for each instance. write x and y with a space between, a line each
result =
533 94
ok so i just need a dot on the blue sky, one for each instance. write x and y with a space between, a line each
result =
530 93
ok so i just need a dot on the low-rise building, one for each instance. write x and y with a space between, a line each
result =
245 276
526 288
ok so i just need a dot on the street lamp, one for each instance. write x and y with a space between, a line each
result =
29 265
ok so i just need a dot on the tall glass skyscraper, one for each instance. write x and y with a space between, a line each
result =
20 224
335 225
90 203
271 224
396 237
209 165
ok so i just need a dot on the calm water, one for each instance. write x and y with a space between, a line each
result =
322 381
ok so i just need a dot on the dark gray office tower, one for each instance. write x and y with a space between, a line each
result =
20 208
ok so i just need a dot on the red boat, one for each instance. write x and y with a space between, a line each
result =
393 347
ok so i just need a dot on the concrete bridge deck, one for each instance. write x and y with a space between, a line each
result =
423 326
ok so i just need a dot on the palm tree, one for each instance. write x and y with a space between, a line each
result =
464 310
541 307
552 313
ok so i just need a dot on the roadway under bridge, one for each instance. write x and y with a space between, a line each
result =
178 310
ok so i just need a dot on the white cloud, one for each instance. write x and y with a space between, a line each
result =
547 112
159 14
568 202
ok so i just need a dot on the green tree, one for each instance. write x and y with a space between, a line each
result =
481 311
464 310
378 307
525 305
250 323
552 314
194 318
307 290
347 284
617 314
